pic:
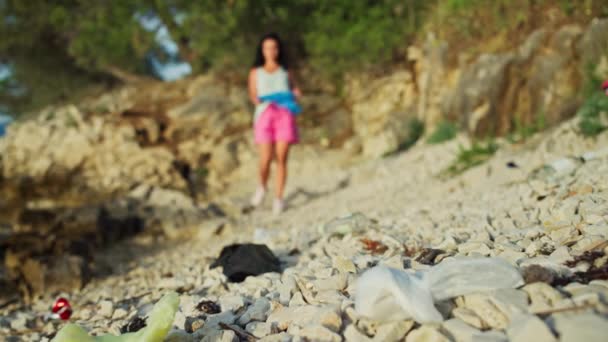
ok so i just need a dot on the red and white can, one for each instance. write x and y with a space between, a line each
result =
61 309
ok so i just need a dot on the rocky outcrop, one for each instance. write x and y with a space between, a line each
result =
75 179
64 157
381 111
539 80
537 83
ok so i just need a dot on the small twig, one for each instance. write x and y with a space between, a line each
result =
570 308
242 334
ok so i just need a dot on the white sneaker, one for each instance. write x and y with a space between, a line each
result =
258 197
278 206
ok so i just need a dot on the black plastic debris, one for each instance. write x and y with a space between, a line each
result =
137 323
208 307
427 256
242 260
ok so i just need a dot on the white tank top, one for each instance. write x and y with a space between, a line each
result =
269 83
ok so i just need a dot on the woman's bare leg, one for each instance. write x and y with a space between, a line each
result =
282 151
265 160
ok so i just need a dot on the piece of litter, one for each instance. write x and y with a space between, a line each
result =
158 325
388 294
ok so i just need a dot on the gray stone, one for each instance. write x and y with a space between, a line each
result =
179 319
106 308
574 327
220 336
344 265
335 282
484 307
330 297
525 328
232 302
256 312
305 316
543 297
470 317
178 336
213 321
281 337
319 333
19 323
393 331
119 313
286 289
426 334
351 333
490 336
474 247
259 329
459 330
297 300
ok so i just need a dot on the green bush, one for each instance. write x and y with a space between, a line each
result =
523 131
472 156
595 105
591 121
416 130
445 131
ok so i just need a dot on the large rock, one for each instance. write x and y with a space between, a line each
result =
44 275
433 79
213 111
539 81
381 111
63 156
476 97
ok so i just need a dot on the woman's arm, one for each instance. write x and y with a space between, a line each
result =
253 93
292 85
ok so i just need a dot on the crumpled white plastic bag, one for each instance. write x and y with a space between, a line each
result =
389 294
386 294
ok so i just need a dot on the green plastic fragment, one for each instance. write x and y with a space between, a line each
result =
157 326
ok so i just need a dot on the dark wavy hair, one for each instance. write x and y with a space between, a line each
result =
259 56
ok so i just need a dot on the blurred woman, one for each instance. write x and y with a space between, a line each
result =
273 92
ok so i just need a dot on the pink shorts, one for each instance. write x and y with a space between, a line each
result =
275 124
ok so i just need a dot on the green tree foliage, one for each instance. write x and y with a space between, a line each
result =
92 35
346 35
89 39
101 35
